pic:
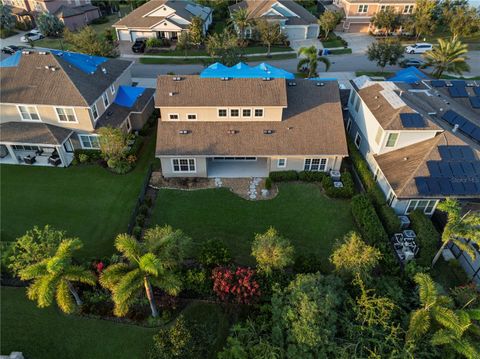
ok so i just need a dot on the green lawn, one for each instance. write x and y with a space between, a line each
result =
86 201
300 212
202 61
47 333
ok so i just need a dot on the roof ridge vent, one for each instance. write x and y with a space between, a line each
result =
267 132
292 83
43 53
266 78
319 84
225 78
232 132
26 52
183 132
177 78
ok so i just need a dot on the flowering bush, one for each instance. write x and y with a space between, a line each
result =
238 285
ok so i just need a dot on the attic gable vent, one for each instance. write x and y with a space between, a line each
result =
292 84
184 132
267 132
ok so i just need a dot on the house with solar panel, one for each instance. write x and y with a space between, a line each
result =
54 102
244 121
415 159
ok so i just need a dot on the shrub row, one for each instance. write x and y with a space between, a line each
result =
427 237
347 191
283 176
85 156
309 176
387 215
135 148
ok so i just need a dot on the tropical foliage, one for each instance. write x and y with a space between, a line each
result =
269 33
272 251
223 47
87 41
387 20
309 62
235 284
241 22
448 56
53 277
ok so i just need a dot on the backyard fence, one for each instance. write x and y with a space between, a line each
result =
140 199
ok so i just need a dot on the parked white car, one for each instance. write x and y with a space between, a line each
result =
32 35
419 48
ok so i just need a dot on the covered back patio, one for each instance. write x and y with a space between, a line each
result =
36 144
237 167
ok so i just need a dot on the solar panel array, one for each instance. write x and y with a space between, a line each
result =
457 173
437 83
412 120
464 125
475 101
476 90
457 92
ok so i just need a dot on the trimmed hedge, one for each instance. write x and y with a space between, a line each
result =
311 176
386 214
93 155
428 238
347 191
283 176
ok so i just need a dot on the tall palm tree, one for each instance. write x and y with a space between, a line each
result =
310 60
151 263
452 328
459 228
241 22
54 276
449 56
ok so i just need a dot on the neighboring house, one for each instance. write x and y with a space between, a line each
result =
415 162
245 127
358 13
296 22
161 19
54 102
73 13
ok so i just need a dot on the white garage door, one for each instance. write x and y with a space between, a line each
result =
144 34
124 35
312 32
295 33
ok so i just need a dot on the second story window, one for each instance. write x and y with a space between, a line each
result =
106 102
29 113
384 7
191 116
234 112
362 9
222 112
258 112
66 114
112 89
408 9
392 140
246 112
94 111
173 116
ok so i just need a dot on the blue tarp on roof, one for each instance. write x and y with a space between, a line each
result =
128 95
242 70
85 63
12 61
409 75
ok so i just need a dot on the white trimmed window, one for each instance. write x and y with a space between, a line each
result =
258 112
94 111
191 116
392 140
234 112
282 163
112 89
66 114
362 8
358 140
384 7
357 104
247 112
222 112
89 141
408 9
173 116
391 198
349 124
29 113
183 165
425 205
106 101
315 164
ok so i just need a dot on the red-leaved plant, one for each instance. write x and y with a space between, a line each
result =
237 284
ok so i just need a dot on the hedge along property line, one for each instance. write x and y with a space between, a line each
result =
427 237
347 191
386 213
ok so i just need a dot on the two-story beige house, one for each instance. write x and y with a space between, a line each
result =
54 102
358 13
247 127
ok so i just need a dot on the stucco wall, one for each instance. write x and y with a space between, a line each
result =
211 113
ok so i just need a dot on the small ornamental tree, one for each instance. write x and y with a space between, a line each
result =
49 24
387 19
196 31
235 285
272 251
328 21
385 53
270 34
7 19
88 41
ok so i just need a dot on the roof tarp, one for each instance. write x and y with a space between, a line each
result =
12 61
242 70
128 95
409 75
85 63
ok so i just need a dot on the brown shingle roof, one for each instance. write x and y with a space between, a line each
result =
31 83
193 91
387 116
312 125
33 133
256 8
402 166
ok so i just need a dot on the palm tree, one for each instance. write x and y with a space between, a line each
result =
449 56
452 328
241 22
459 228
310 60
148 264
54 276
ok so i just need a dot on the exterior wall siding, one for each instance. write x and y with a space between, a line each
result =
137 120
296 163
211 114
200 162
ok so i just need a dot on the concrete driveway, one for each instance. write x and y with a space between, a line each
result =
357 41
14 40
297 44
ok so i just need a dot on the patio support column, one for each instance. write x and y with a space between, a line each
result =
61 154
12 153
